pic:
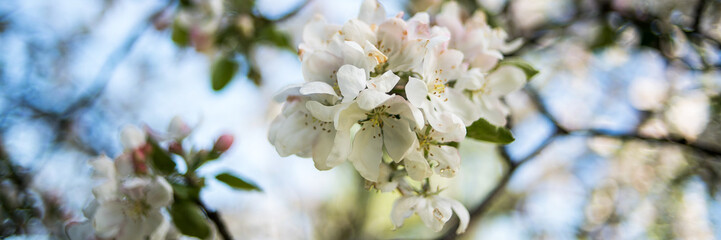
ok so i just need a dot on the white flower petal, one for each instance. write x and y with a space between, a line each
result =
493 110
385 82
449 64
448 158
416 165
357 31
318 66
429 215
108 219
317 88
441 208
398 105
506 79
161 231
124 165
460 105
132 137
321 149
317 31
178 128
351 80
450 17
347 116
367 151
463 216
416 91
135 188
106 191
385 179
485 62
160 193
397 137
341 149
455 130
472 79
320 111
403 208
103 167
369 99
293 134
372 12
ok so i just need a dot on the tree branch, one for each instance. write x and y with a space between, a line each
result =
488 201
214 216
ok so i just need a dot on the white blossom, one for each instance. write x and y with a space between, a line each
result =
126 206
394 97
433 210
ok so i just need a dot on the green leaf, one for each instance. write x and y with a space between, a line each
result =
277 38
160 159
529 70
237 183
485 131
180 35
189 219
185 192
223 71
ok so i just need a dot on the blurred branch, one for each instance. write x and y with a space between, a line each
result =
635 135
217 220
18 202
645 22
561 130
104 74
496 192
214 216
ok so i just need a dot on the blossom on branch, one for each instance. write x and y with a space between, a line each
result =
394 97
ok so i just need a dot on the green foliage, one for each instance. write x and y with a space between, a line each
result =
606 37
237 182
242 6
271 35
160 159
485 131
223 71
184 192
189 219
529 70
180 35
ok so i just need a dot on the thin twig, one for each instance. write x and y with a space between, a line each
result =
217 220
488 201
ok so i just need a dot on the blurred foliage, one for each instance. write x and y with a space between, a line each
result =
237 30
682 32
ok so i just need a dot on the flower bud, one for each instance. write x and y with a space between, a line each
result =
176 147
223 143
132 137
178 129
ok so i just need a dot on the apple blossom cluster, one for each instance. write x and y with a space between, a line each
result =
394 97
135 192
129 197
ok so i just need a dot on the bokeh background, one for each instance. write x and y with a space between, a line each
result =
617 137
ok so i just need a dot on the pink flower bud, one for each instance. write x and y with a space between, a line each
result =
175 147
223 143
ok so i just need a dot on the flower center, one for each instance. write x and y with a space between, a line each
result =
375 117
438 86
136 209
